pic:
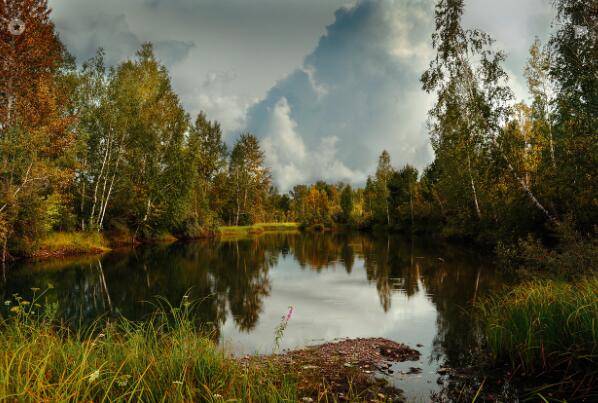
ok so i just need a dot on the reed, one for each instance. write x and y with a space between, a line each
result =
542 326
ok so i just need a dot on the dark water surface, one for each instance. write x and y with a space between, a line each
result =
340 285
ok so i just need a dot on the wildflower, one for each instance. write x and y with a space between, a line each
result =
25 302
101 335
7 302
177 382
217 396
279 331
34 289
94 376
15 309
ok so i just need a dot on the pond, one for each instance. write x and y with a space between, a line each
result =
415 292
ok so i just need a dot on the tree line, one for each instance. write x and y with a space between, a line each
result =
502 169
95 148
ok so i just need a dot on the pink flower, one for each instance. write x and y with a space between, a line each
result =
289 314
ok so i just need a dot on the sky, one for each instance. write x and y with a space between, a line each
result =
325 84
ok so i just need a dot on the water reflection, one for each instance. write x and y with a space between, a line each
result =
342 285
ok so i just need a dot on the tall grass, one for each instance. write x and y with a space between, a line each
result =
71 243
161 359
256 229
545 325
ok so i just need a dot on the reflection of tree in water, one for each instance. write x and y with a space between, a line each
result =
389 262
233 276
217 275
317 250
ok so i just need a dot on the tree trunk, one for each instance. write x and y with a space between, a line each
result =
527 190
103 209
551 146
473 189
98 179
411 205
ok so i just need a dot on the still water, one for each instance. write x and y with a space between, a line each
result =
340 285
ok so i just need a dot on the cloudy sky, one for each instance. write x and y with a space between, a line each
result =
325 84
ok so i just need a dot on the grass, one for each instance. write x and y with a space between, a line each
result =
543 326
71 243
164 358
256 229
161 359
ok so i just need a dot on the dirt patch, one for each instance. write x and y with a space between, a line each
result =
344 370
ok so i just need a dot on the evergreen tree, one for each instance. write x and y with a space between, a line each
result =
347 203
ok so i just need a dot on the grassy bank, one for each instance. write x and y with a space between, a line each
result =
544 327
63 244
162 359
60 244
256 229
166 358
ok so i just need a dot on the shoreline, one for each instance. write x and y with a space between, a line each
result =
61 245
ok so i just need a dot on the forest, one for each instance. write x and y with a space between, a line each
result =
88 147
95 156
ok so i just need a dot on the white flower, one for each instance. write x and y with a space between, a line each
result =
94 376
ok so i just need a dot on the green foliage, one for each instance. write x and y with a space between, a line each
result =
347 204
96 148
573 255
249 181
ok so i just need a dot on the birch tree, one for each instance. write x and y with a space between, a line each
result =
473 102
250 180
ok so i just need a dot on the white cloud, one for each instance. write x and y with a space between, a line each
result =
356 94
291 160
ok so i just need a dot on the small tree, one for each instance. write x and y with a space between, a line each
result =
347 203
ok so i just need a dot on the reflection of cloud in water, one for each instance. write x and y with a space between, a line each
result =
333 304
341 285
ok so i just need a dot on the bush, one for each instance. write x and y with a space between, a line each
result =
573 256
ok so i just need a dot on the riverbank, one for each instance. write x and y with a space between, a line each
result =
256 229
67 244
546 330
166 357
